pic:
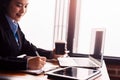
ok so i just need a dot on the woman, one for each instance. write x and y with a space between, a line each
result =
12 45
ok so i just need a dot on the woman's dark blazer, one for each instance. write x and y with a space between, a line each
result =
9 50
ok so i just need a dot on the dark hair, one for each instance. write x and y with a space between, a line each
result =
4 5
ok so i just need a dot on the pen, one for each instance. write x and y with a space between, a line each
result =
37 53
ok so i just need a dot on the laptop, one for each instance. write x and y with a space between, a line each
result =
95 58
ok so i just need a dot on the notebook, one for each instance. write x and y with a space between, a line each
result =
73 73
95 58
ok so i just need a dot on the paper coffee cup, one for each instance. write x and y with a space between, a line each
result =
60 47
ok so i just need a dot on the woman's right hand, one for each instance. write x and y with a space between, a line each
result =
35 63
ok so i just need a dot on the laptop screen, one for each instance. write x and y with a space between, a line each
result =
97 46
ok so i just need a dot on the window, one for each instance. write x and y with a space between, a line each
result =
98 14
43 20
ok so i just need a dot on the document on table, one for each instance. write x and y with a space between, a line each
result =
48 66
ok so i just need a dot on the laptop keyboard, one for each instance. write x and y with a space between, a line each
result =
67 62
80 62
83 62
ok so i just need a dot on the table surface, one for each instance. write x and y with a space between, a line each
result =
16 75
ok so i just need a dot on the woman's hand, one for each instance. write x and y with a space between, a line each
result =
35 63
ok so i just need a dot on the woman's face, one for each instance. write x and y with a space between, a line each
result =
17 9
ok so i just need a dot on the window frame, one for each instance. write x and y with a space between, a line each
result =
71 34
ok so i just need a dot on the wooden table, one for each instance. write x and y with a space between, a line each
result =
15 75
